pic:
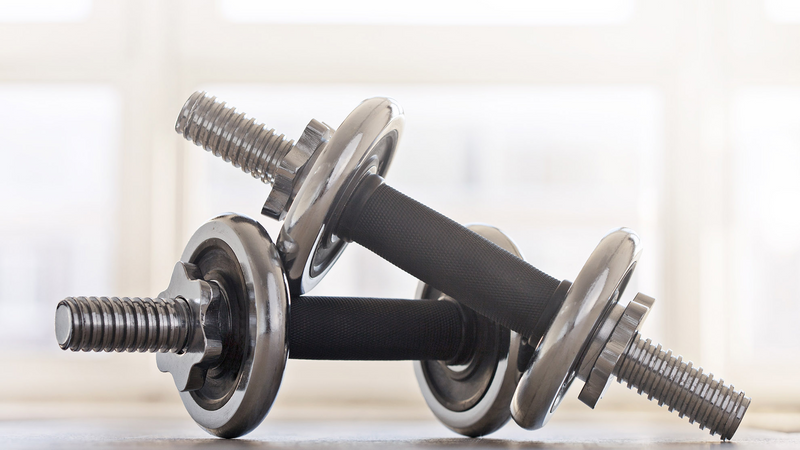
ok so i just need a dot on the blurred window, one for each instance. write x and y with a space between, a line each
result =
27 11
57 234
555 121
783 11
426 12
766 132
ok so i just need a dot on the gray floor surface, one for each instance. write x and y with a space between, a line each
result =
167 434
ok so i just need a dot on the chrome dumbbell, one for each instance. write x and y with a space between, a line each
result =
226 325
330 189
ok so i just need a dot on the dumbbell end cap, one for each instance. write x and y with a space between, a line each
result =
63 326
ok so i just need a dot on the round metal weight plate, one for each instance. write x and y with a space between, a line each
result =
363 144
237 253
596 290
473 398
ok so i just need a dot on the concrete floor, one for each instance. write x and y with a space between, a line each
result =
182 433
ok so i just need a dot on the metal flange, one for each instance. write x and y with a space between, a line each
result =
602 369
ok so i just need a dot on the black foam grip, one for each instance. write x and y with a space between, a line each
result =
449 257
343 328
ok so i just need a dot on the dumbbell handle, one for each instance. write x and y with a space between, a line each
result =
329 328
450 258
342 328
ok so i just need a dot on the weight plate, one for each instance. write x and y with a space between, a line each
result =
238 254
473 398
596 290
363 144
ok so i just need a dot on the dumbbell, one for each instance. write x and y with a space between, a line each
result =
329 189
226 324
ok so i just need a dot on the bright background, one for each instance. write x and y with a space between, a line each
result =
555 121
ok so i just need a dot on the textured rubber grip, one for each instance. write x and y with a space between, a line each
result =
450 258
342 328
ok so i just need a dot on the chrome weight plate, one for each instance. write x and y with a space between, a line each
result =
237 254
596 290
363 144
473 398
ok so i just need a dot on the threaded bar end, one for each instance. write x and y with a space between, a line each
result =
103 324
709 402
232 136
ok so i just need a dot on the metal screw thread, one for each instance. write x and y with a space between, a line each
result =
683 388
233 137
103 324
